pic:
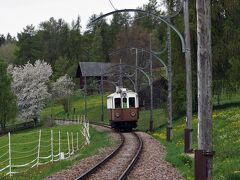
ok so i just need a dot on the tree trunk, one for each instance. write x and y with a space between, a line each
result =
3 127
204 60
35 121
65 105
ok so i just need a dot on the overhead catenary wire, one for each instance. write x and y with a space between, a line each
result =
112 4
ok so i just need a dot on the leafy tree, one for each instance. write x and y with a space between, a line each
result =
55 35
62 89
27 48
2 39
8 106
7 52
119 22
97 48
146 21
30 86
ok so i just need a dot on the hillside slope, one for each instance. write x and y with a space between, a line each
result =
226 140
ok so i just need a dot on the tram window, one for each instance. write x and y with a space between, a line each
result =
117 102
131 102
124 102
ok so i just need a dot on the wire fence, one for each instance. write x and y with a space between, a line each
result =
45 147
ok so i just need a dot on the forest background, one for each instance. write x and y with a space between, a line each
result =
64 45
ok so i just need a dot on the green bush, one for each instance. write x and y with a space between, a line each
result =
233 176
188 161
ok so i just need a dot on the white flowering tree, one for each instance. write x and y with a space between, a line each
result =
30 85
62 89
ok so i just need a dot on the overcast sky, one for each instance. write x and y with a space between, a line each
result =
17 14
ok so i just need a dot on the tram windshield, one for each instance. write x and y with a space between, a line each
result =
131 102
125 103
117 102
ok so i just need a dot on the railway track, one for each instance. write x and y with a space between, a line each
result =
120 162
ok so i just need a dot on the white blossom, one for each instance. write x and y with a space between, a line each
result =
63 87
29 84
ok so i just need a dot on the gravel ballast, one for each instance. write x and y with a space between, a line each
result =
152 164
117 165
80 167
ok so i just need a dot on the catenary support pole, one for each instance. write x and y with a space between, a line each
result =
188 129
120 77
102 115
169 70
151 87
85 96
204 154
136 71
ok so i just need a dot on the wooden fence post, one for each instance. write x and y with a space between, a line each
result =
39 147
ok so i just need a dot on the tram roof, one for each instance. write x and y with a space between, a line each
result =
118 94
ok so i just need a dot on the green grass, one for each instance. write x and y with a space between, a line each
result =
28 140
226 143
94 111
226 98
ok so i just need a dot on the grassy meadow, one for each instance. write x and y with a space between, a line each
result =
226 141
24 149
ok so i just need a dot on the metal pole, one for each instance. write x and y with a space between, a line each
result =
151 88
102 115
169 70
136 71
120 77
68 101
85 96
188 129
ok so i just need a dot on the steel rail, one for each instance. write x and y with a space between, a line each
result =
103 161
130 166
134 160
128 169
